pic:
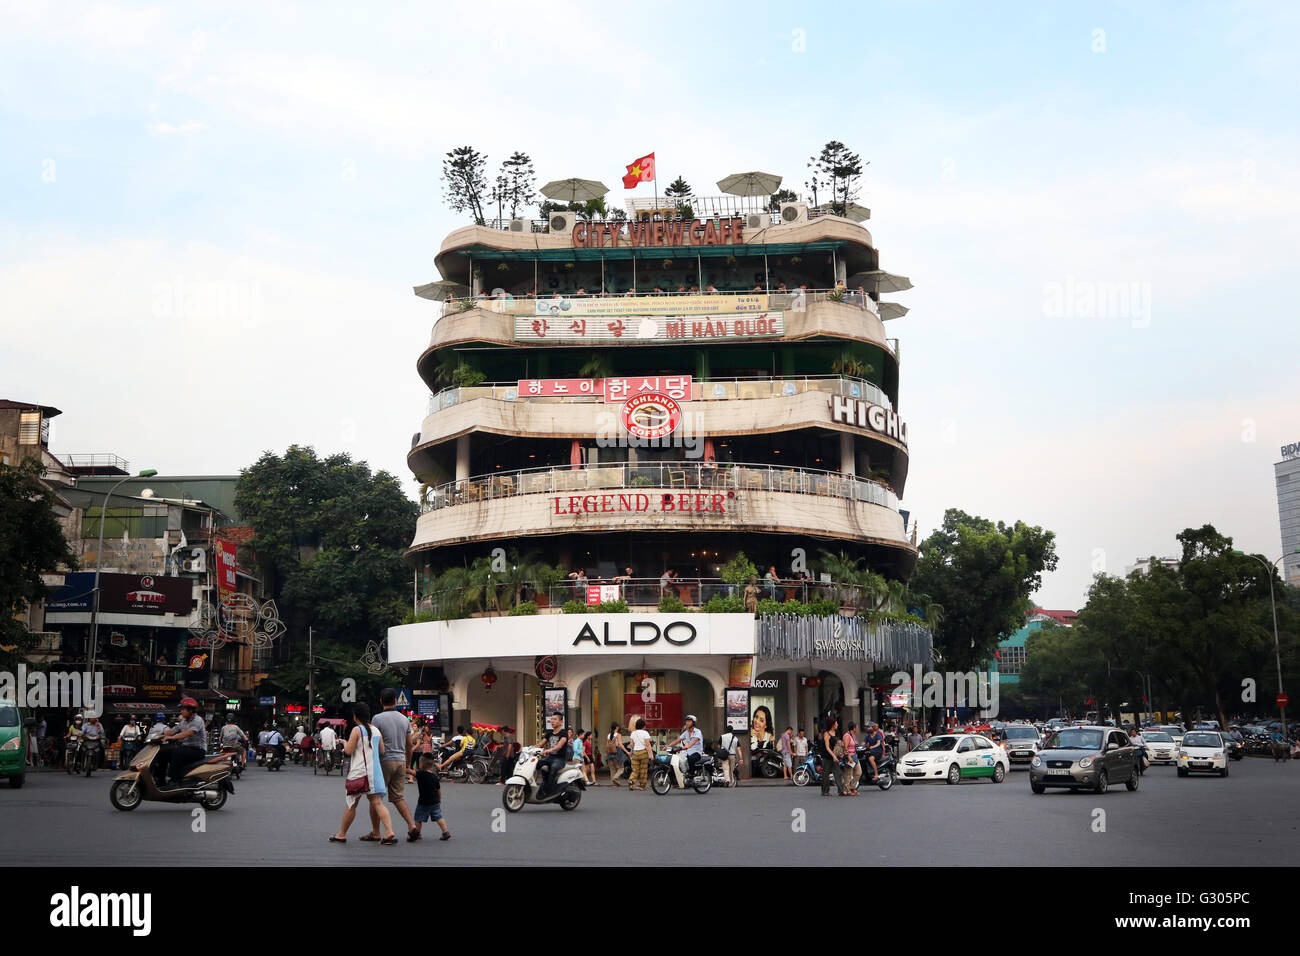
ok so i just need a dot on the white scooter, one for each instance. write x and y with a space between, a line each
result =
522 786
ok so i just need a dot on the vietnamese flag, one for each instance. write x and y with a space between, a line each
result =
641 171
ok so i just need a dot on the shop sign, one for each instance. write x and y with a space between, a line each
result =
599 594
876 418
662 713
737 709
660 234
638 634
160 691
1291 451
651 415
710 327
639 502
546 666
740 672
266 701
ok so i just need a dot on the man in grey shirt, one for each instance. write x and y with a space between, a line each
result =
396 732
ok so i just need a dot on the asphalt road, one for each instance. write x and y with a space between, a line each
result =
283 818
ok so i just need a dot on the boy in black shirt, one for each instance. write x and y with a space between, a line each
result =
429 804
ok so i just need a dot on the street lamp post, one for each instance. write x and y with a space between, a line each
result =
99 561
1277 646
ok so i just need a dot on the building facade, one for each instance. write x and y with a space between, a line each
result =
645 403
1286 473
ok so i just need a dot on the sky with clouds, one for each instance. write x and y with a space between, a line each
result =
213 214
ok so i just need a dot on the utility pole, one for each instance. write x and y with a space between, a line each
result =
311 684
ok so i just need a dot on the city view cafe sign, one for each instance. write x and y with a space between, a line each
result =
727 231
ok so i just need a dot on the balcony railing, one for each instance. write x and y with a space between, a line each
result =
784 299
693 592
665 476
665 208
702 390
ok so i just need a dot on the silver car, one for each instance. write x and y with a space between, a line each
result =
1090 758
1021 743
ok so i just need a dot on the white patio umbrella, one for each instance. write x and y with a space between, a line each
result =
881 281
857 213
441 289
752 183
891 310
574 190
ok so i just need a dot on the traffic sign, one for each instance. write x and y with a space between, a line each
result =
1283 700
404 699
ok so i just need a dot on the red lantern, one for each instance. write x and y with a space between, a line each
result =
812 682
489 678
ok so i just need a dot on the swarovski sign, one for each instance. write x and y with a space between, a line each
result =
877 418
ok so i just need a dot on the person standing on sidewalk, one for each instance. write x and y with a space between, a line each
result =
640 756
826 751
728 745
852 771
395 730
615 753
785 747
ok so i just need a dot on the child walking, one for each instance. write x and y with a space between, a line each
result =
429 805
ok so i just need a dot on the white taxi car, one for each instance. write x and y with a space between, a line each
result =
1203 751
954 758
1161 747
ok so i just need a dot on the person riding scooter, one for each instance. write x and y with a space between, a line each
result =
275 742
875 742
234 738
128 738
188 740
555 755
687 759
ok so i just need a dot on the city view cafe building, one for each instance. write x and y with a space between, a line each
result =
759 675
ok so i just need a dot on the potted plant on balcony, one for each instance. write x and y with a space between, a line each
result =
850 366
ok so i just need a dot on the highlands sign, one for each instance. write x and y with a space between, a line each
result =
877 418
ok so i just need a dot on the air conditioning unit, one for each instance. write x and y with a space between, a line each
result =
521 225
190 566
792 212
755 221
563 222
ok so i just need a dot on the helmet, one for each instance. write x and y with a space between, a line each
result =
77 719
690 717
190 702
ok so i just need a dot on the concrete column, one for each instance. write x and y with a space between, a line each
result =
841 270
792 699
847 464
462 457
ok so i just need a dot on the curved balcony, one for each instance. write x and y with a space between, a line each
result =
810 315
687 496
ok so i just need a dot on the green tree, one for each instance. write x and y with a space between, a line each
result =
330 536
982 574
679 191
518 182
1053 675
464 181
780 196
31 544
837 168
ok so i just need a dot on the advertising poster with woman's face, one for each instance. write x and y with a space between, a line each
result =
761 724
737 709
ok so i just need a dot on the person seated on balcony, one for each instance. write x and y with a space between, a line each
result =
695 290
711 289
681 288
579 578
860 297
770 581
758 288
666 583
582 290
657 291
781 287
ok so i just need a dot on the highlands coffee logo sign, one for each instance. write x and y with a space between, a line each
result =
651 415
639 634
877 418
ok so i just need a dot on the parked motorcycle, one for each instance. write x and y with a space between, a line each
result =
207 783
522 786
765 762
663 778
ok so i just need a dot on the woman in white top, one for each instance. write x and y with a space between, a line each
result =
641 753
365 747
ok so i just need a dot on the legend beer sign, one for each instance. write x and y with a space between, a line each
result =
877 418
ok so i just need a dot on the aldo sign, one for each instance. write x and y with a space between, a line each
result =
635 633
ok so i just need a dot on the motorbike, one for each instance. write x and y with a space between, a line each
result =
765 762
91 751
885 767
810 771
663 778
236 754
720 757
473 766
274 756
72 756
207 783
522 786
